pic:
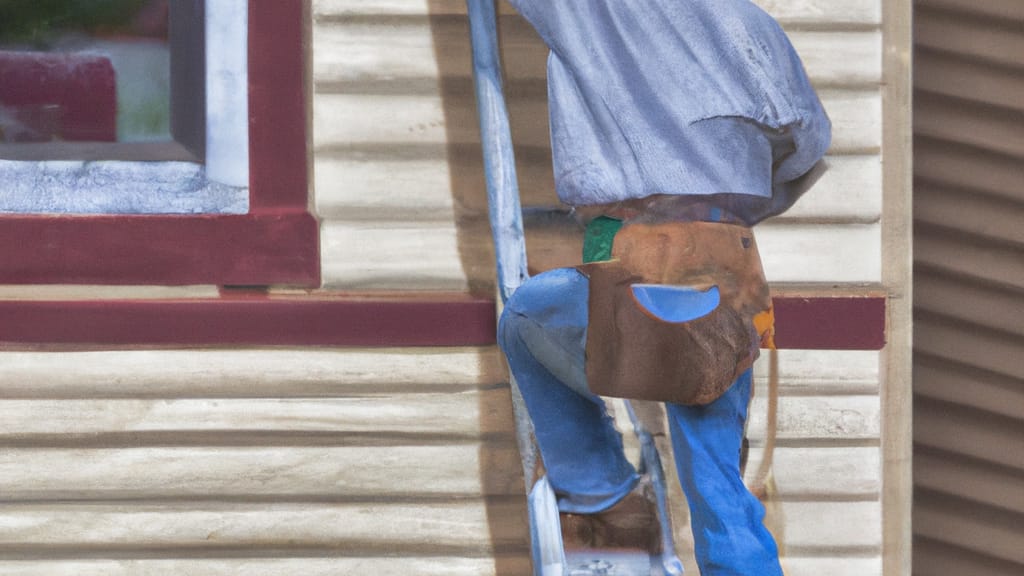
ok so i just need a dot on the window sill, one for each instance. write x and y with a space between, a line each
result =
75 187
273 246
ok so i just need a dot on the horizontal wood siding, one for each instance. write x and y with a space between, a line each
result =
968 287
400 190
824 490
337 566
823 502
398 169
273 461
333 461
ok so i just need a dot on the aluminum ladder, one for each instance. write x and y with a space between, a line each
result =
549 555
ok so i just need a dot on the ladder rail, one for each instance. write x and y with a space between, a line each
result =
505 211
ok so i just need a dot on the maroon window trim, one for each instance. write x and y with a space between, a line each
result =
277 242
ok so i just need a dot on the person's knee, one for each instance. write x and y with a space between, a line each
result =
556 288
526 295
509 329
551 306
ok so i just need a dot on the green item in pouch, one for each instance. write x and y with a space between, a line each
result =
598 239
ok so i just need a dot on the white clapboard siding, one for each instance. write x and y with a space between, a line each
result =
822 471
786 11
454 470
401 255
825 372
462 527
825 480
346 120
334 566
452 261
350 35
400 191
821 418
827 424
382 461
403 461
434 189
831 566
397 171
819 526
821 532
464 414
392 49
245 373
820 253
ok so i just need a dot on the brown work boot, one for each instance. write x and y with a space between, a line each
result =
577 530
631 523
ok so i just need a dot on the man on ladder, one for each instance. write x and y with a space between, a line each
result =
675 126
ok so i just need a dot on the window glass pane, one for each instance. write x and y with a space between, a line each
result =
104 107
84 70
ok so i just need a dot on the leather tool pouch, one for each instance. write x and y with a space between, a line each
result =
631 353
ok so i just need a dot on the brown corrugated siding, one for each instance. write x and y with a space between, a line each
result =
969 287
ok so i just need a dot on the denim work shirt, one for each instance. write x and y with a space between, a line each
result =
677 97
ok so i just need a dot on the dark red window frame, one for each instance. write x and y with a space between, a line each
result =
276 242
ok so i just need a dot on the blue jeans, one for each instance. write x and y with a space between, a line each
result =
543 334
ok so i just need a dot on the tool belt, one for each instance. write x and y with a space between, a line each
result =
631 352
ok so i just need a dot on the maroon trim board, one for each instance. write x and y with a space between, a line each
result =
253 319
830 322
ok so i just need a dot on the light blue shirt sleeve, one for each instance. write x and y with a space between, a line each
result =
691 97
